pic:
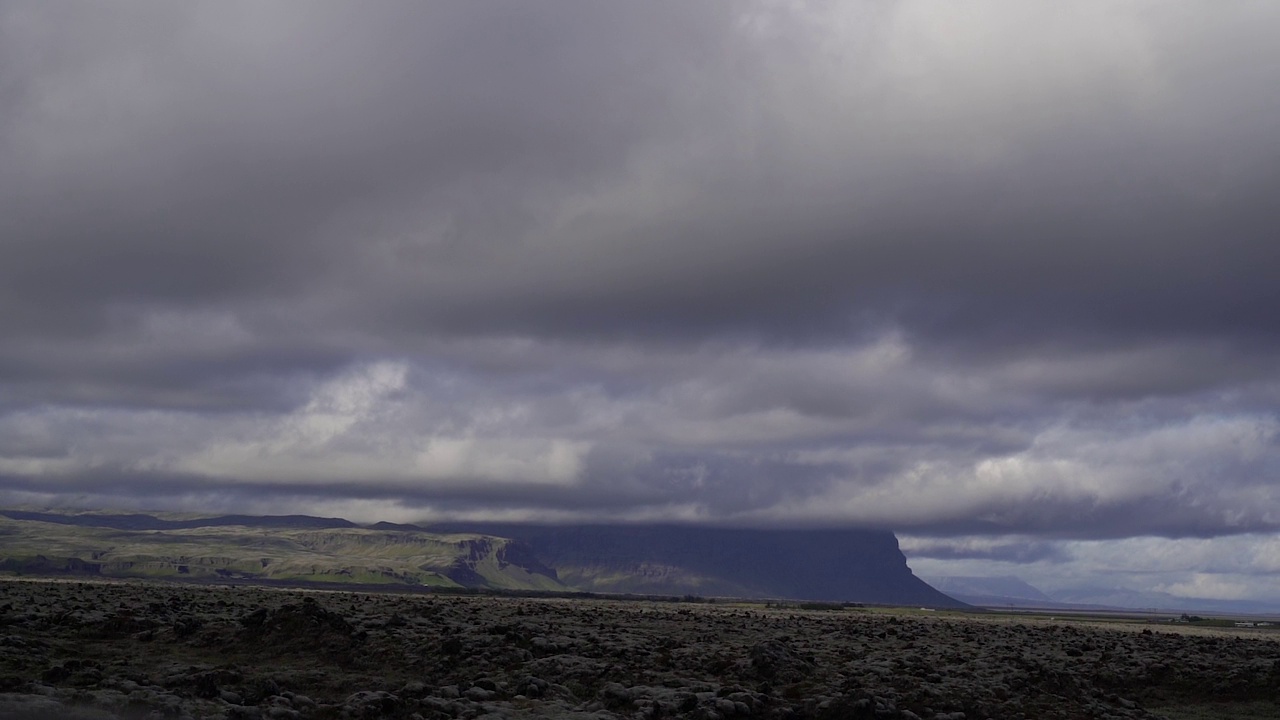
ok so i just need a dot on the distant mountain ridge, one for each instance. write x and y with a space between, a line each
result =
831 565
138 521
994 591
1009 591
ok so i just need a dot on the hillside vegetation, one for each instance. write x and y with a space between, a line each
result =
336 555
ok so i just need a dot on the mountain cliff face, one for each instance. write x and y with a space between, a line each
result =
835 565
832 565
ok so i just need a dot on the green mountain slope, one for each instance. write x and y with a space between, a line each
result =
337 555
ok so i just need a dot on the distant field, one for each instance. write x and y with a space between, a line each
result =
1135 622
1221 711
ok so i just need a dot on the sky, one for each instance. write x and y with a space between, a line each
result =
999 276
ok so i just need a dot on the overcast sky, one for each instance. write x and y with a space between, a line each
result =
1003 277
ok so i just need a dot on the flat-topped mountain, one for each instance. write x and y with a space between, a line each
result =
827 564
846 565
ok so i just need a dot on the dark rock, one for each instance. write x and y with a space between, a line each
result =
775 661
372 705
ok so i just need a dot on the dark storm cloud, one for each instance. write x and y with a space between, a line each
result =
199 156
174 160
979 271
426 161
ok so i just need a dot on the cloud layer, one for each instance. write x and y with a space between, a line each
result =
1004 271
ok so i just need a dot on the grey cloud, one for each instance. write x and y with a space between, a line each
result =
339 135
202 161
440 439
951 272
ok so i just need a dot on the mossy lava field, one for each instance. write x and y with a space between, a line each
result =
139 650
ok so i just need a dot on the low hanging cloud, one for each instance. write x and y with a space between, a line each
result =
870 436
1239 567
989 277
1017 550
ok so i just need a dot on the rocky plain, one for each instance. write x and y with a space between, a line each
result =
100 650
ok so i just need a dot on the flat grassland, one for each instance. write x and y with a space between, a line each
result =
135 649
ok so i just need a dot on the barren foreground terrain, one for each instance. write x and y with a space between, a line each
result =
104 650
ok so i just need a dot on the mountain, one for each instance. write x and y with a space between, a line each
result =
998 591
150 522
283 548
1010 591
833 565
829 565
